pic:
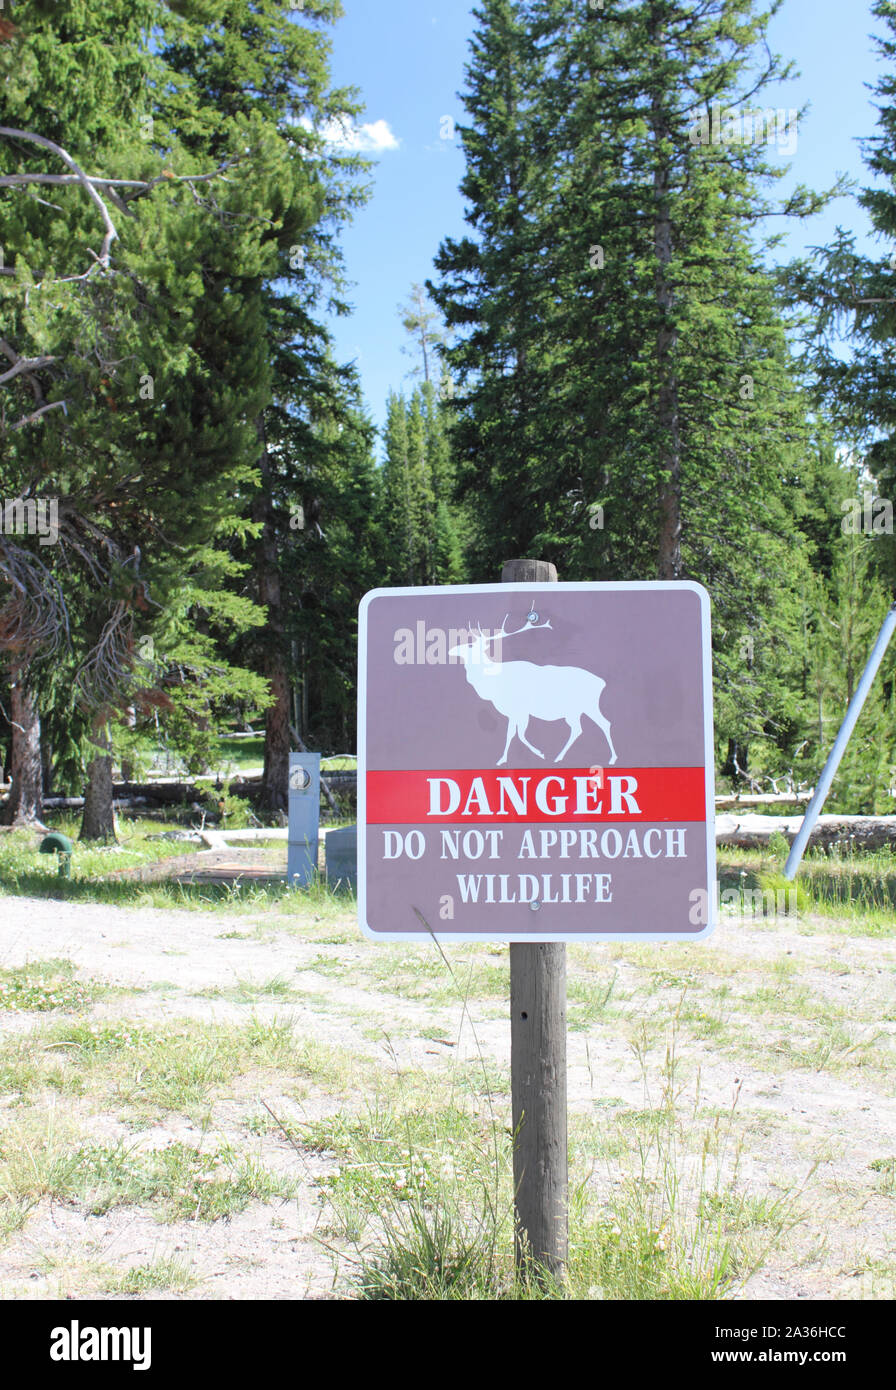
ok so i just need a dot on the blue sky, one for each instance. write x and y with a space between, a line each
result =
407 58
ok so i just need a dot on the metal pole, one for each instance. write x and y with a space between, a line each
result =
813 810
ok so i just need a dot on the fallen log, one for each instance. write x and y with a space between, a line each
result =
169 791
771 799
76 803
856 832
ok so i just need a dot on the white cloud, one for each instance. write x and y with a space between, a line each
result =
371 138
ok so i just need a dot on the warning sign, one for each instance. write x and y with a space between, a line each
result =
535 762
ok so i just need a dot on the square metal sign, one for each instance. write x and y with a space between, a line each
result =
535 763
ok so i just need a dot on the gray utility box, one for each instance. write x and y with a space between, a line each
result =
304 816
341 852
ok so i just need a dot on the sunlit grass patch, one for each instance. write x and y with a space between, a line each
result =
854 891
239 899
14 1212
418 971
708 1021
424 1191
830 1047
44 986
26 872
176 1182
676 1220
424 1194
590 999
170 1274
886 1168
251 991
173 1068
24 1071
22 864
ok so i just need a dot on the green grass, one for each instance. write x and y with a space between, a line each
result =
177 1182
162 1069
417 971
237 754
251 991
419 1174
420 1190
239 899
589 1000
854 892
47 986
886 1167
24 870
857 887
679 1226
170 1275
424 1192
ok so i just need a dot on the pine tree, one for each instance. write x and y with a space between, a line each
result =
256 74
851 612
422 324
423 525
59 314
155 457
852 294
400 508
492 292
335 557
645 417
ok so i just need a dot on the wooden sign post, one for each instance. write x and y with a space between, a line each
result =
538 1070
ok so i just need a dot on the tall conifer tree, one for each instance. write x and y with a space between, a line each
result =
627 402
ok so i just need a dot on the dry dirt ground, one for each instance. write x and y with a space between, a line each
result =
792 1022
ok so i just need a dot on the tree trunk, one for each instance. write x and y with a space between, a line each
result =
46 764
127 765
737 763
669 549
97 819
24 806
275 779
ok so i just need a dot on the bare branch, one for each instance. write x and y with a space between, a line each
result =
81 177
34 614
25 364
100 677
36 414
142 185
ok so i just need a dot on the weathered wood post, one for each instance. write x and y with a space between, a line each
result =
538 1070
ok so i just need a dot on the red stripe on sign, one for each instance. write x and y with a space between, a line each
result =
471 796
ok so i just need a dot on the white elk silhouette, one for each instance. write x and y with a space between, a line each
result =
521 691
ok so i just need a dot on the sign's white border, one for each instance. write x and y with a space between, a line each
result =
470 591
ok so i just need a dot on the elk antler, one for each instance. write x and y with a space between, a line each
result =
527 627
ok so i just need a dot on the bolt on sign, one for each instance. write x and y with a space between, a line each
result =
535 763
